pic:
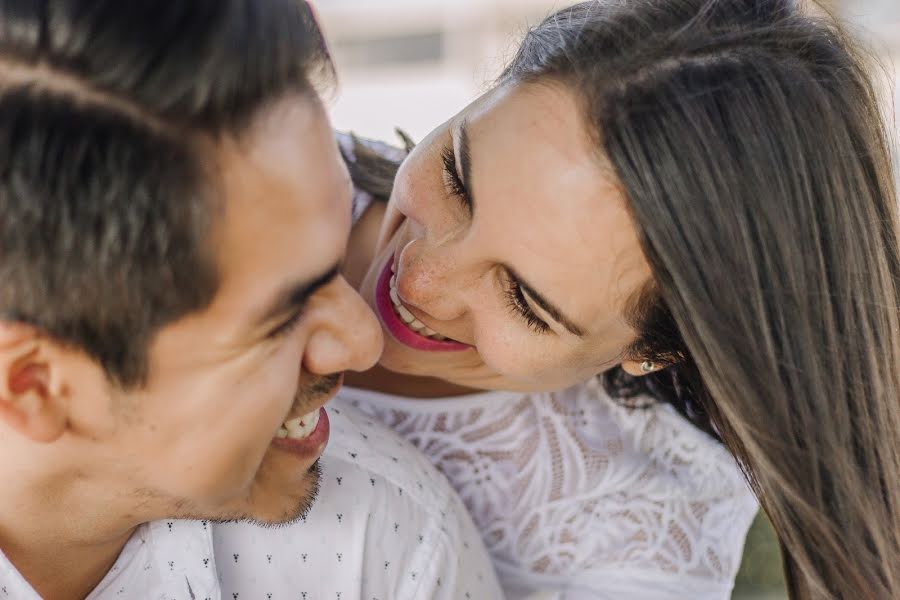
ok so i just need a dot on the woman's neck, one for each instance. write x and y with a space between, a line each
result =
379 379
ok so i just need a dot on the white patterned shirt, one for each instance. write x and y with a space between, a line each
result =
385 526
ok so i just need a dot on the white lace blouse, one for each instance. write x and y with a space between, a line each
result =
578 497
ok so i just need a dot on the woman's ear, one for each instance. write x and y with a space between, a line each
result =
32 402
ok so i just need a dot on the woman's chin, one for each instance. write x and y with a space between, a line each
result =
403 360
405 372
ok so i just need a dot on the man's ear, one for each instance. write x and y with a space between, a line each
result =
32 398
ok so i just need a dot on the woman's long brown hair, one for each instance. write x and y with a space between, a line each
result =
747 139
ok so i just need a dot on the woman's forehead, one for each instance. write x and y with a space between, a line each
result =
549 112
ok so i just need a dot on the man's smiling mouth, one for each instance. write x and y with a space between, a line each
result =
299 428
313 426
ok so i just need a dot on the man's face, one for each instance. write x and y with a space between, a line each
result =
201 439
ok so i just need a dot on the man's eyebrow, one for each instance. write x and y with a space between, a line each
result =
294 296
465 160
548 307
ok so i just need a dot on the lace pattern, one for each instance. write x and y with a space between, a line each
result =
572 484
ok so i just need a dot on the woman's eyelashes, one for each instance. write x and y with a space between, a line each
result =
452 180
516 300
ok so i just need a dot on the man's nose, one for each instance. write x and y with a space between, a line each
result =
349 336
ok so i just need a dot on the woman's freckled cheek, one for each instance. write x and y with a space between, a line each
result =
423 277
502 353
525 358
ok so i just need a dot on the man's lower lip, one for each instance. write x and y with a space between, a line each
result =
396 327
309 447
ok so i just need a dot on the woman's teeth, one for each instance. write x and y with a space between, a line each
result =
299 428
408 318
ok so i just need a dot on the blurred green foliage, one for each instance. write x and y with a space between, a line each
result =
760 577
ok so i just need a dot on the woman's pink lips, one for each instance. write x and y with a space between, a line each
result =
309 447
397 328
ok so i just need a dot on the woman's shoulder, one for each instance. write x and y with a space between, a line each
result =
643 431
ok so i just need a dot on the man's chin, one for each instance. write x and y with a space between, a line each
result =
298 508
276 512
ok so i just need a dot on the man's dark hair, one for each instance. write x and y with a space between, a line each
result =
105 207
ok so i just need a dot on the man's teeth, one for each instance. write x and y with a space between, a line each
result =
299 428
408 318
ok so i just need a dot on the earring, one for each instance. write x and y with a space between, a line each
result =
647 367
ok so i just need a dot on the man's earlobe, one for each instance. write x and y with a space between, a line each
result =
31 403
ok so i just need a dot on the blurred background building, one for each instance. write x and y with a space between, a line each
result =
415 63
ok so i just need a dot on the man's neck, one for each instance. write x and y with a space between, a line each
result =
60 570
56 527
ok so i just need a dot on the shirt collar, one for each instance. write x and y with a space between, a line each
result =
162 559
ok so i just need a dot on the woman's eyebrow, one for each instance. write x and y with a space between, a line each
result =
548 307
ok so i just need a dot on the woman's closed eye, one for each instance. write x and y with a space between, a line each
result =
517 303
453 182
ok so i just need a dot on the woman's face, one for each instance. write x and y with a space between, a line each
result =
507 235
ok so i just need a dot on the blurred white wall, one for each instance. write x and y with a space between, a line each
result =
415 63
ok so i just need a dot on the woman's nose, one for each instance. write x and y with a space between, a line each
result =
348 337
430 279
